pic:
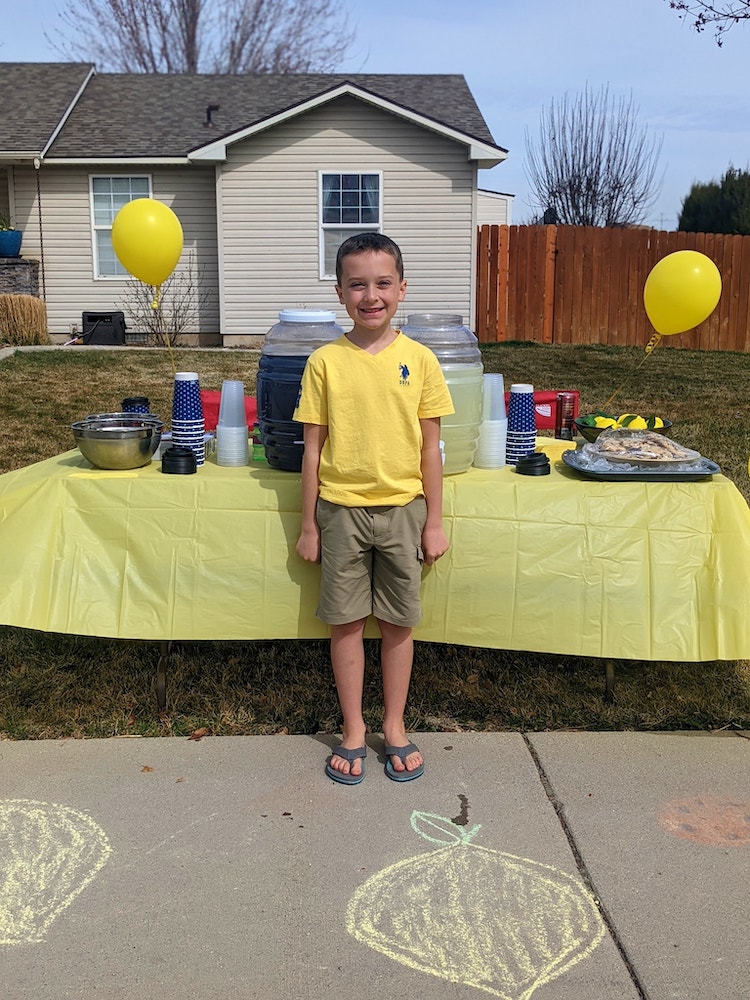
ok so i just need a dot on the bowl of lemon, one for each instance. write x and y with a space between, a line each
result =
590 425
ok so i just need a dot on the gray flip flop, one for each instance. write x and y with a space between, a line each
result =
351 756
403 753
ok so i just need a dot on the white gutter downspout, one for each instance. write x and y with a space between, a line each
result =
37 167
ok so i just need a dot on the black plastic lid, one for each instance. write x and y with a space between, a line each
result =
536 464
179 460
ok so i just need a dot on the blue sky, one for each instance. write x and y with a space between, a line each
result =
518 55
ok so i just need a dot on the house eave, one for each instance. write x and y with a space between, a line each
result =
114 161
18 157
486 162
485 154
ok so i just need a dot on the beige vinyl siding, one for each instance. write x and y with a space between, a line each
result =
493 208
5 193
268 203
70 286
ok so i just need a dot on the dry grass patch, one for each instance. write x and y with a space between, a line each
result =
23 320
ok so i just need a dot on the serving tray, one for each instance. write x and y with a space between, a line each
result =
703 469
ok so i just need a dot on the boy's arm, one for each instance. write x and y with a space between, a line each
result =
308 544
434 541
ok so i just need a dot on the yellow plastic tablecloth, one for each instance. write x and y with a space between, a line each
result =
556 563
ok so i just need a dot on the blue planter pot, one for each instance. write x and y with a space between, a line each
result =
10 242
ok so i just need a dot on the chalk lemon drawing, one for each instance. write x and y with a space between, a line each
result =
48 855
472 915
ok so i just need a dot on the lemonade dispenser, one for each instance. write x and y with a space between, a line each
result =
457 350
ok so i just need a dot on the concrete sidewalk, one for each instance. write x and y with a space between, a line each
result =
567 866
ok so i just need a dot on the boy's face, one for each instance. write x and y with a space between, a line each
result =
370 289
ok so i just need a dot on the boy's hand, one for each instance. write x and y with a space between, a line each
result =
308 545
434 544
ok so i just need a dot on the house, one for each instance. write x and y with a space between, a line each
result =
494 208
267 174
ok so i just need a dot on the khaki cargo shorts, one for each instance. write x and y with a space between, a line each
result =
371 561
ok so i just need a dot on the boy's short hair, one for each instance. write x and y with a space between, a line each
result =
372 243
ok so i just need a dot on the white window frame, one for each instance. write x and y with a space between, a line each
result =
98 228
345 228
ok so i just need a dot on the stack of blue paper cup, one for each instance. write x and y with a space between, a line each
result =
187 415
521 439
136 404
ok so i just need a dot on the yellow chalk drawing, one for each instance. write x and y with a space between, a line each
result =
48 855
472 915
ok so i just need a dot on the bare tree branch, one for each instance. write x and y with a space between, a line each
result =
720 17
205 36
592 165
183 296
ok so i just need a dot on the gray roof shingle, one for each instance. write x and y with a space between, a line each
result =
35 99
147 115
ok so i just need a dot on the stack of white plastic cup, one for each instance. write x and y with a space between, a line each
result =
493 430
231 428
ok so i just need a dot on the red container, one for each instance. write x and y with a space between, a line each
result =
210 402
545 407
565 415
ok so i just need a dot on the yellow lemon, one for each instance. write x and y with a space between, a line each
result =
605 422
437 913
658 422
632 420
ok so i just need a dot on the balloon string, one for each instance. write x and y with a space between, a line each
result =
651 345
160 328
648 350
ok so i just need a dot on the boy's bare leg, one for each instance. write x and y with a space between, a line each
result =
348 661
396 656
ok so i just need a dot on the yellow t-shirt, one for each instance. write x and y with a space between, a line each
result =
372 405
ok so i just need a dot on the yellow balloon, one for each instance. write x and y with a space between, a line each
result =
147 238
681 291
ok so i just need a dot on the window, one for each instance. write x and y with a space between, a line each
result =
349 203
108 195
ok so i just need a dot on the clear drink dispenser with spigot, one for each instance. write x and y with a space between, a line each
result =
283 357
457 350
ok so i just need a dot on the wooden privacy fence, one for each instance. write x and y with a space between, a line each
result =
584 285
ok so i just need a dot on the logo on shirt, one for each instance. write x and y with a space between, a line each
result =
404 379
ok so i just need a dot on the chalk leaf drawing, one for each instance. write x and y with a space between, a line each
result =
48 855
472 915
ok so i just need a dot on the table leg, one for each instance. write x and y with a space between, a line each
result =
165 652
609 681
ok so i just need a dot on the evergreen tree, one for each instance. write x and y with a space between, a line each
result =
722 207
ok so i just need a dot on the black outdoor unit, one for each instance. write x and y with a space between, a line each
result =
103 328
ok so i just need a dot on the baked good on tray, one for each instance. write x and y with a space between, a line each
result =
640 446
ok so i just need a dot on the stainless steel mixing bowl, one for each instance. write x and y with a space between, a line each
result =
118 440
119 416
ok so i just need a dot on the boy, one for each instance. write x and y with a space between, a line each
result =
372 483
